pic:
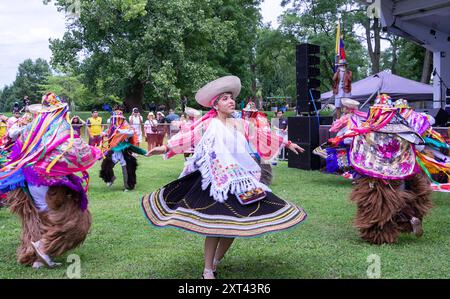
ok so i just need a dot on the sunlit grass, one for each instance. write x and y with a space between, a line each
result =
121 244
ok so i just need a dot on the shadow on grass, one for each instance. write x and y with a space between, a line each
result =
266 266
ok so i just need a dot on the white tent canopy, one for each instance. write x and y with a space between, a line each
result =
395 86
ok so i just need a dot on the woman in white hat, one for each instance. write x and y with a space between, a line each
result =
219 195
151 133
136 121
192 116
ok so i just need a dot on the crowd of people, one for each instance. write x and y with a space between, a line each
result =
155 128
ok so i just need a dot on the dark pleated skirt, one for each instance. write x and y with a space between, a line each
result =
183 204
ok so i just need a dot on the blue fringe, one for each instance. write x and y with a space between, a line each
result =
332 161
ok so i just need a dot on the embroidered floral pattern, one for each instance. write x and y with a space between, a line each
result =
383 155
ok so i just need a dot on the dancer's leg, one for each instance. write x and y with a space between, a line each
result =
222 248
210 250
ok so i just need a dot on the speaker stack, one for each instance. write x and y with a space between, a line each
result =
304 130
307 73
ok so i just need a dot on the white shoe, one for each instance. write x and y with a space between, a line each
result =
37 265
109 184
45 258
208 274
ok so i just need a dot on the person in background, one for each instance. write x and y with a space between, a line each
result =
280 123
151 130
3 124
94 126
173 120
13 119
183 119
342 85
107 107
162 127
136 121
172 116
77 123
152 107
184 102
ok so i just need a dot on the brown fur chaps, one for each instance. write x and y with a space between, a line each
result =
384 209
63 227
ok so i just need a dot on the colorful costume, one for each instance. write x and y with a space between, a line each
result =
337 157
192 115
258 120
43 189
392 195
434 156
204 200
120 144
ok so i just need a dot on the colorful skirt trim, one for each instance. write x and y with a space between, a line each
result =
183 204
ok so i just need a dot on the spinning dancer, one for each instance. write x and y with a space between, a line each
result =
392 195
42 187
120 144
220 195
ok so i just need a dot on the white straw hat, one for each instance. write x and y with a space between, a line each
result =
230 84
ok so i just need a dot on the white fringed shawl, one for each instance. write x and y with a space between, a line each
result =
222 156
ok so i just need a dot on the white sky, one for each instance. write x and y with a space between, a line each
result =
270 10
27 25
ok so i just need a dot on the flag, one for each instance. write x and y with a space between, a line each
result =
340 48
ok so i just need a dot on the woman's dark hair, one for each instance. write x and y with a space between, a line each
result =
76 118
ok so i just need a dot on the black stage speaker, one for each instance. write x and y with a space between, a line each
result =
439 114
307 160
307 71
304 131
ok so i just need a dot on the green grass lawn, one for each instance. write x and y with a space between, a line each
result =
121 244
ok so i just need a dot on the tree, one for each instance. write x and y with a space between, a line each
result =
315 21
70 89
158 48
275 63
6 98
408 60
30 76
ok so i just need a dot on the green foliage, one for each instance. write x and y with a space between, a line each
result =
410 59
71 89
315 22
157 49
30 75
275 60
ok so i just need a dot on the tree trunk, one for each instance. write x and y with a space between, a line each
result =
376 62
253 72
394 57
135 96
427 67
374 50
